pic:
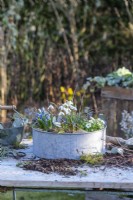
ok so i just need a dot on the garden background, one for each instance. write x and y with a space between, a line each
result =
49 47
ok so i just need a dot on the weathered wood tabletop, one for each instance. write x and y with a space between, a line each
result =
109 178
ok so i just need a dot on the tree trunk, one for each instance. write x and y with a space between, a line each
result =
73 30
3 74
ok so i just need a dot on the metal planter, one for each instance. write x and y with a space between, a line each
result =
68 145
11 135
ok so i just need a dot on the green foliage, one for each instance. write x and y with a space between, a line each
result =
28 195
19 146
43 55
92 159
66 118
121 77
45 124
100 81
94 124
3 151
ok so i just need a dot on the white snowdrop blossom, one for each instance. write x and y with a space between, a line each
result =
39 110
88 125
92 119
61 107
51 107
69 103
101 120
58 124
94 124
66 110
68 107
54 119
73 107
61 113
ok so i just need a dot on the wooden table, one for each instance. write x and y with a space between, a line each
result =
94 178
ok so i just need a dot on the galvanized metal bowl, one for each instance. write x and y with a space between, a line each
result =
67 145
11 135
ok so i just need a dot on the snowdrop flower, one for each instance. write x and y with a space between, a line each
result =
91 120
73 107
101 120
88 125
51 107
69 103
61 107
58 124
67 107
54 119
39 110
66 110
61 113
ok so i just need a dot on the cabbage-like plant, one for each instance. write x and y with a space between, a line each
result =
121 77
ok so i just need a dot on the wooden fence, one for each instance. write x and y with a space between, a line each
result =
114 101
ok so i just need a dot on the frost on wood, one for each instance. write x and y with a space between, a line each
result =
127 123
